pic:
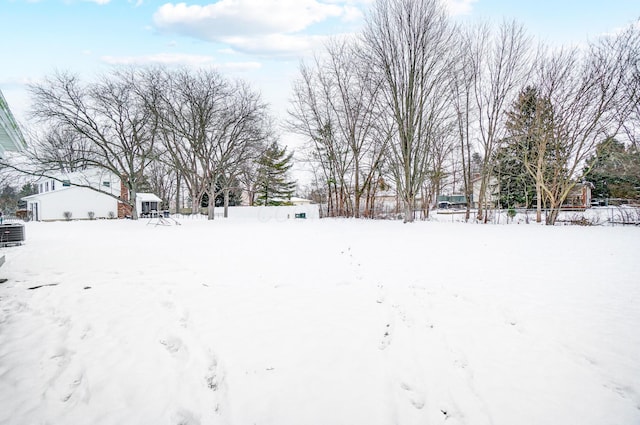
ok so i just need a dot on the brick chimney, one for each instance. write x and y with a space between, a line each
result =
124 210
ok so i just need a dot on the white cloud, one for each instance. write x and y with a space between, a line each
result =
459 7
161 58
241 17
227 51
282 45
239 66
172 59
101 2
259 27
352 14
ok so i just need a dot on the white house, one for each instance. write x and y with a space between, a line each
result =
62 196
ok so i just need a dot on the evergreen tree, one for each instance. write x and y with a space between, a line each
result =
235 197
517 187
235 194
531 156
274 186
615 170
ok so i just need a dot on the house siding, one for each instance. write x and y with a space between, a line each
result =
53 205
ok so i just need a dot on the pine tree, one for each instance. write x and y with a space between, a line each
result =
517 186
614 170
534 149
274 186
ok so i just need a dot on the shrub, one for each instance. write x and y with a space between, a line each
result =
112 214
91 215
67 215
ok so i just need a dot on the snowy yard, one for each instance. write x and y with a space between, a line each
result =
320 322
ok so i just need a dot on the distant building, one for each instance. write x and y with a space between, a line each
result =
87 194
299 201
579 197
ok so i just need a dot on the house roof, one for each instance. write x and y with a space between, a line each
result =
147 197
296 199
11 139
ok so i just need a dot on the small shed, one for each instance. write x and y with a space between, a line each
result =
148 204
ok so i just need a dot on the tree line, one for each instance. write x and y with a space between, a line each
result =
411 105
161 129
415 101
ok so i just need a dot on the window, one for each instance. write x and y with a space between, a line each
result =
46 186
53 185
106 184
66 183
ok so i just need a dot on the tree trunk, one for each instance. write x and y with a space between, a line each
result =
538 203
552 214
481 199
211 207
212 200
357 193
408 208
195 201
132 200
226 203
178 192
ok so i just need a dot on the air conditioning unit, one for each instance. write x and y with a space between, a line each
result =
11 234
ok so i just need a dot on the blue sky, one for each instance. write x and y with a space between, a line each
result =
261 41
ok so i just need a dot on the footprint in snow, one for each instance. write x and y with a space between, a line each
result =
215 382
416 398
78 389
386 337
172 344
184 417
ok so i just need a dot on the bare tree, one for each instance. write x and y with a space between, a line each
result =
211 127
587 90
500 65
106 122
463 75
187 105
629 39
61 148
312 117
407 43
235 137
163 181
335 107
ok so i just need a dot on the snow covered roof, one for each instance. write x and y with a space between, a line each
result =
147 197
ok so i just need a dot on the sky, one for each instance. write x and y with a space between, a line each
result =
261 41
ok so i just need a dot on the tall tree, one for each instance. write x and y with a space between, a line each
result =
107 122
407 42
587 91
531 139
463 75
210 127
501 63
615 170
274 187
334 106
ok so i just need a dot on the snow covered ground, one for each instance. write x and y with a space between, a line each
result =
320 322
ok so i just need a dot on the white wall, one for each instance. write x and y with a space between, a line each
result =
270 213
77 200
